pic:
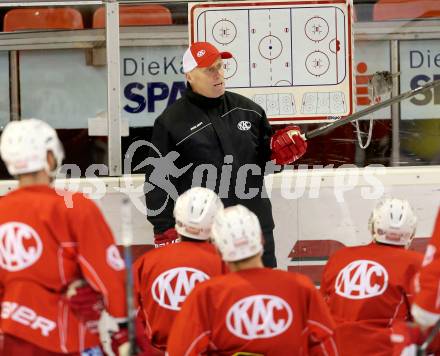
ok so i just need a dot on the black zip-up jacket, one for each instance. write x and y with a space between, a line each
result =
203 131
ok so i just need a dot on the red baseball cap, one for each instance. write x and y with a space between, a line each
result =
201 54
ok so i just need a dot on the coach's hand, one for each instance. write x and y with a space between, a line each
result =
168 237
287 145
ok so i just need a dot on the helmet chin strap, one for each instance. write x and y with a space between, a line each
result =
52 173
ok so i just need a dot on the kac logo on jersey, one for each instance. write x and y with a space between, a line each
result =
114 259
259 316
361 279
20 246
244 125
171 287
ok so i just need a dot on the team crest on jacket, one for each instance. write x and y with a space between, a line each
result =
20 246
171 287
244 125
259 316
361 279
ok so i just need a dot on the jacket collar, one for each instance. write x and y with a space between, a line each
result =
202 101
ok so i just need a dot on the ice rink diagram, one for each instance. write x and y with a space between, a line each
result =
297 46
323 103
276 104
278 47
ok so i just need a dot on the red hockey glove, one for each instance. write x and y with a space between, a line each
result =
406 337
85 302
120 344
287 145
168 237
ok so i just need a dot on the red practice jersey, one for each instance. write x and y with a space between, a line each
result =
44 246
164 277
428 281
260 310
367 288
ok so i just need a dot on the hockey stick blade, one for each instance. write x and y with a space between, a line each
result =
329 127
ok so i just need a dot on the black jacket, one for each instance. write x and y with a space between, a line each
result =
203 131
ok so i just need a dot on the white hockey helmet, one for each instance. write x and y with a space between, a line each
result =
195 211
393 222
237 233
24 146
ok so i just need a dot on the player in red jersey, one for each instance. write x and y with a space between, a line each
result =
45 247
367 288
253 310
165 276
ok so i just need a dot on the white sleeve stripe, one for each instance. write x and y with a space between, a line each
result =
98 280
147 323
62 325
396 311
437 301
322 326
238 108
82 334
61 265
213 346
305 330
335 349
324 351
334 346
69 244
195 341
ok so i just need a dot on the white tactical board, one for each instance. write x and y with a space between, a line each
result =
294 58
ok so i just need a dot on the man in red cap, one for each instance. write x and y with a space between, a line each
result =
224 142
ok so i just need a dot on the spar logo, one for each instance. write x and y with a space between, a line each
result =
361 279
259 316
20 246
171 287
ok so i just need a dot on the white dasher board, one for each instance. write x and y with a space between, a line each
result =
291 57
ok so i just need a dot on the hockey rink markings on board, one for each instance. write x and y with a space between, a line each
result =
323 103
276 104
298 46
286 54
312 103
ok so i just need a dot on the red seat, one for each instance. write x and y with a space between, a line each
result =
405 9
142 15
42 19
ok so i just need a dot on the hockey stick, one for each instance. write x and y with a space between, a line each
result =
421 351
329 127
127 240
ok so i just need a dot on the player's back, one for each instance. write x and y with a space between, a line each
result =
38 257
369 282
427 286
34 230
165 276
366 289
257 310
